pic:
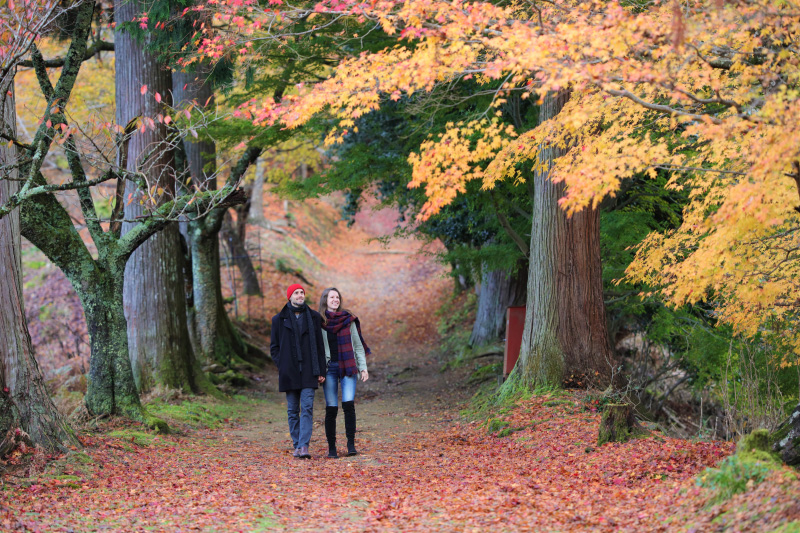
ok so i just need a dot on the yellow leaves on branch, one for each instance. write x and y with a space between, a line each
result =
446 165
720 78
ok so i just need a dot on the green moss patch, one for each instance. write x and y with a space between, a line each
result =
139 438
202 414
738 473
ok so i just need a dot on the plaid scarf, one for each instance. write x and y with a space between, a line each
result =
339 323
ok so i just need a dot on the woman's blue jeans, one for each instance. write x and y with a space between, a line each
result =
331 386
300 408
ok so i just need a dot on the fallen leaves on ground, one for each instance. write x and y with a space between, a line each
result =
546 475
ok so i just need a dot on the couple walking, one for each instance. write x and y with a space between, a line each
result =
314 348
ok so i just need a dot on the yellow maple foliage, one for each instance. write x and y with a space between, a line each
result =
720 77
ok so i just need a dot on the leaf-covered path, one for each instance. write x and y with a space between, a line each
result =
421 469
422 466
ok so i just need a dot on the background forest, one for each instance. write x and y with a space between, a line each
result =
626 171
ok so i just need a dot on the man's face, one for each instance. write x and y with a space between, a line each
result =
298 297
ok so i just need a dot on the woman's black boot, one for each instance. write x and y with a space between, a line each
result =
330 430
349 409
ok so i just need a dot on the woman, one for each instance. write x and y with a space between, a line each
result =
345 352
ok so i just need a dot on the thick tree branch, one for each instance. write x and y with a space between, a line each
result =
53 116
46 188
662 108
96 48
41 73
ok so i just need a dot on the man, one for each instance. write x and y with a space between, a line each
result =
298 351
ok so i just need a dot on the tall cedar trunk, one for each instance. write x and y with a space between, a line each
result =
499 290
582 327
234 240
565 334
215 338
155 302
25 403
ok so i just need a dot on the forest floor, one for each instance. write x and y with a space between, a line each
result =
423 464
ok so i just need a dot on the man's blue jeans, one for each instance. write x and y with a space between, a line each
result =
331 386
300 408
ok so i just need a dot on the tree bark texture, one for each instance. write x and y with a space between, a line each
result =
215 338
565 336
499 290
541 359
241 258
154 296
25 403
112 382
582 326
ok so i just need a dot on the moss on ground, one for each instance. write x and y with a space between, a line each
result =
738 473
139 438
202 413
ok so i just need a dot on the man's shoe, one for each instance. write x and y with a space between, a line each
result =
294 453
302 452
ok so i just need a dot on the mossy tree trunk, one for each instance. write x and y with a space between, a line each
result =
155 301
499 290
98 284
112 385
24 400
215 338
565 336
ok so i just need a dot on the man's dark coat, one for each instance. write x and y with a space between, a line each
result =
282 350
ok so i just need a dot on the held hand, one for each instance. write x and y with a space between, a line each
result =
364 375
321 379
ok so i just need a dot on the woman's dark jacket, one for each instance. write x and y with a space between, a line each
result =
282 350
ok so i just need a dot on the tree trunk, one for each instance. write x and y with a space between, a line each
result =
216 340
112 385
155 302
256 212
565 336
582 326
499 290
25 402
541 359
240 256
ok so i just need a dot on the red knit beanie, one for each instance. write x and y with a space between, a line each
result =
293 287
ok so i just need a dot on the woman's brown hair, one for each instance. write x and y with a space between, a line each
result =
323 303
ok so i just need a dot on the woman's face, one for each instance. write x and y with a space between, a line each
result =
333 300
